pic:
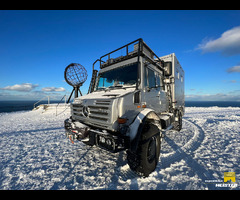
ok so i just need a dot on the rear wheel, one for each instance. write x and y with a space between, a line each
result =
146 158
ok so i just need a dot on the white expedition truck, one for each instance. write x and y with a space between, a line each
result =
132 99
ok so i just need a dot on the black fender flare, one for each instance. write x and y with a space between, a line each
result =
146 116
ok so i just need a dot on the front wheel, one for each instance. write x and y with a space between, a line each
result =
145 160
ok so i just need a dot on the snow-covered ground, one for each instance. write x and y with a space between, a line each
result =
34 154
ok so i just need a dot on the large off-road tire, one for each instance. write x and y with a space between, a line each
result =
145 159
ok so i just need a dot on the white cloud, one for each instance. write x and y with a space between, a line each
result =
33 95
228 43
53 89
235 69
24 87
8 94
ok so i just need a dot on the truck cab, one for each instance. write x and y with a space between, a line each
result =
132 98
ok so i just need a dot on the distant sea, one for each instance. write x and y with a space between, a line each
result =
212 103
12 106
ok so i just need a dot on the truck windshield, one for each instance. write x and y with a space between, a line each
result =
121 76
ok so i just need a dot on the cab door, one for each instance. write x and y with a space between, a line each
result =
162 95
152 93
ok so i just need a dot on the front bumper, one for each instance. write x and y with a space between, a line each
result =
75 130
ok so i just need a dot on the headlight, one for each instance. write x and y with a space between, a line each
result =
102 139
78 101
108 142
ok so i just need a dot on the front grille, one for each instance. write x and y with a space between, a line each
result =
99 112
77 109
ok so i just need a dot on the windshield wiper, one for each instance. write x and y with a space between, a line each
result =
115 87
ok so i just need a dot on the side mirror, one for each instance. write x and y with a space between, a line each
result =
168 68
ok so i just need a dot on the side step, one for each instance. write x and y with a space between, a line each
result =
166 120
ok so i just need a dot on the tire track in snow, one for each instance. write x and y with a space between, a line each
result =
189 147
187 153
197 139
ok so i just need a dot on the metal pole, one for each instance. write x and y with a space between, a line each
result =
70 96
76 88
80 91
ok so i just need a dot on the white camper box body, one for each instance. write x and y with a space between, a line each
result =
176 80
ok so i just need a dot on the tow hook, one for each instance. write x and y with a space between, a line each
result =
70 138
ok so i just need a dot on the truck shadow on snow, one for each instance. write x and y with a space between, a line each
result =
94 168
195 167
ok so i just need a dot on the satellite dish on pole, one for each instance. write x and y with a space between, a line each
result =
75 75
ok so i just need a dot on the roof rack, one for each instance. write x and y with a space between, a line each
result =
139 48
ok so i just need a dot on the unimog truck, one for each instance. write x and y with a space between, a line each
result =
133 97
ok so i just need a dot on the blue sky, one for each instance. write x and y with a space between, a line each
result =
36 46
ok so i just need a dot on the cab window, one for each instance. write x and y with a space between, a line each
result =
159 81
151 79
